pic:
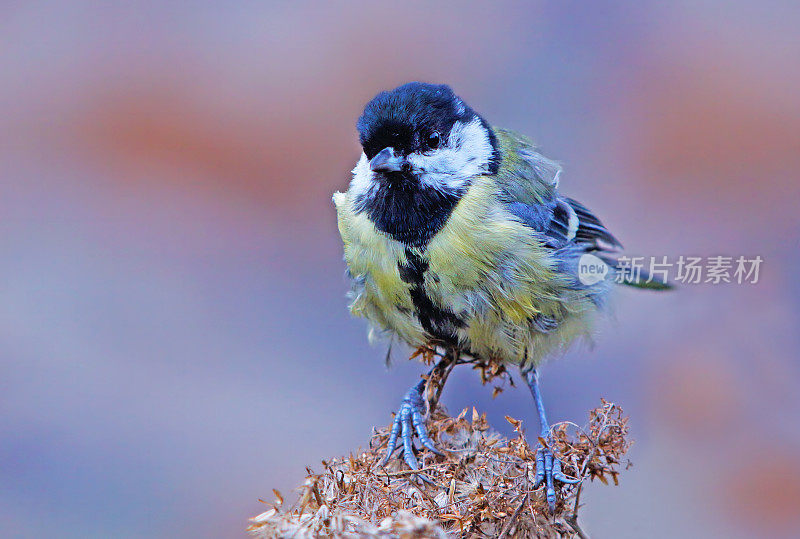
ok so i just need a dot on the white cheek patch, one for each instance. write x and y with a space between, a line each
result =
363 182
466 153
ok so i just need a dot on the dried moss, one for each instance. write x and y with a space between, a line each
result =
482 487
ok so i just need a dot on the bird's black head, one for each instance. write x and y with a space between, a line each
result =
407 118
422 147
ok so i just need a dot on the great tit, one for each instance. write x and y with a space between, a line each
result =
456 237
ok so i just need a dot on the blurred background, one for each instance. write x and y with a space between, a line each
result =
174 339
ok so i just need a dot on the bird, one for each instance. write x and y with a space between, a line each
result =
456 237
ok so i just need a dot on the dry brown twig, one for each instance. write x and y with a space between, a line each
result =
483 487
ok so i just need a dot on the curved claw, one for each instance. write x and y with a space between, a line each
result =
408 446
548 469
407 422
390 447
422 432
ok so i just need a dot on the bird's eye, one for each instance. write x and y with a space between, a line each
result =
433 140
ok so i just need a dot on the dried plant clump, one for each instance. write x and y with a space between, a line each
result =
483 487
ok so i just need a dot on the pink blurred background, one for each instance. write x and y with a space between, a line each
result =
173 327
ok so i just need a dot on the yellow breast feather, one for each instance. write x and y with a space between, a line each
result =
378 293
496 274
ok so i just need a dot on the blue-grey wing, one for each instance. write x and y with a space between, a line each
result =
563 221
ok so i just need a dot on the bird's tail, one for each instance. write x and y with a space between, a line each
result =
640 278
647 283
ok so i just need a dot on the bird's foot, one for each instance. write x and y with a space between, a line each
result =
407 422
548 470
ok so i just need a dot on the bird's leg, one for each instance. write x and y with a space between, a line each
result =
407 422
409 419
548 468
437 378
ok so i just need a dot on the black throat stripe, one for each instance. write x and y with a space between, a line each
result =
439 323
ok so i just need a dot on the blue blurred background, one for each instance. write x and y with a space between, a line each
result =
174 339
